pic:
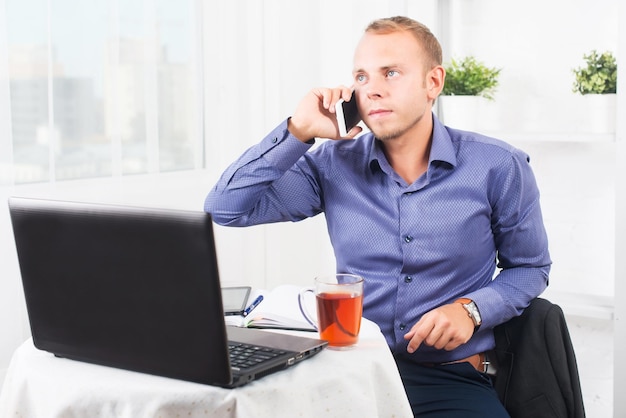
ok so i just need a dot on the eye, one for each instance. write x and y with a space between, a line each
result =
392 73
360 78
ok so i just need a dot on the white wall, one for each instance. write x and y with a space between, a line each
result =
537 44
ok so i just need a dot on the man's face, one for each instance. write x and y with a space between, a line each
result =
392 86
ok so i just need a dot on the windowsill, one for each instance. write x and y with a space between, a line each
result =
584 305
177 189
553 137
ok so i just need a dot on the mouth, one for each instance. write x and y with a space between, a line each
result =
378 113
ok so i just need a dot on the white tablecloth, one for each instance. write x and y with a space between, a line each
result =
359 382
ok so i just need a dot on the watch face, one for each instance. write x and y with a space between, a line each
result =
474 313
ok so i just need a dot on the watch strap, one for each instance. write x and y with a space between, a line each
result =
471 309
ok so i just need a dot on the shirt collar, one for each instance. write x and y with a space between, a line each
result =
441 148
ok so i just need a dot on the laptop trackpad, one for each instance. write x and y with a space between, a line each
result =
274 339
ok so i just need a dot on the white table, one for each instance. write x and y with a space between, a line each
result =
359 382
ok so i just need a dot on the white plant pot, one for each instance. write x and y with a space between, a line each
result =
597 113
468 113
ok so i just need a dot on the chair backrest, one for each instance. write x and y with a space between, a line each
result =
537 373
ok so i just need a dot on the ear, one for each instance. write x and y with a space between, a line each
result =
434 81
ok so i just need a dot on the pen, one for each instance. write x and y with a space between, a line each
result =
253 305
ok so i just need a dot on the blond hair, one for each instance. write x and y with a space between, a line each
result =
424 36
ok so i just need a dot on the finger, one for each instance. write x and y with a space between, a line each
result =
346 93
338 93
414 344
451 345
436 338
455 340
329 101
324 95
353 132
417 335
336 96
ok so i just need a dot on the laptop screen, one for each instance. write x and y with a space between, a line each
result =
127 287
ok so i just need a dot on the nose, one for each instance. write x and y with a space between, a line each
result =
373 95
374 88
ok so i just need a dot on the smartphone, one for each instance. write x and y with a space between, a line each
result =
347 115
235 299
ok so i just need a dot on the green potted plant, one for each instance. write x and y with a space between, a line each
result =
598 76
596 83
470 77
469 86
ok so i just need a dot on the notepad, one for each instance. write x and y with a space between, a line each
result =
279 309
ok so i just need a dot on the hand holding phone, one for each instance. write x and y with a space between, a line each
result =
347 114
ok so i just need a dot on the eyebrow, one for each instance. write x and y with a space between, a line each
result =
381 69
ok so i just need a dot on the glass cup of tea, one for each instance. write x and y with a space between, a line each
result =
339 301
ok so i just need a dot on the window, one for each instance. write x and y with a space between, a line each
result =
100 88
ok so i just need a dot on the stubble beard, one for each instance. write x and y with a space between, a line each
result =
391 135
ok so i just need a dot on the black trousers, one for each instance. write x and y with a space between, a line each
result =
449 391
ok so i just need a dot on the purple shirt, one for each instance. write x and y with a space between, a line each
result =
418 246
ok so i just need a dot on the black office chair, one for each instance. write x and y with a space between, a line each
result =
537 374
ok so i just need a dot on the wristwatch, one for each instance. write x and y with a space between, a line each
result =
472 310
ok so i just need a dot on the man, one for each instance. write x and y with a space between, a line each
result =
422 211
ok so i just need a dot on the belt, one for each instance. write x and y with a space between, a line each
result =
478 361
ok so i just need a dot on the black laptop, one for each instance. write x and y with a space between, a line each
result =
137 289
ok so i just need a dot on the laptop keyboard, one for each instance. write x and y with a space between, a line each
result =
243 355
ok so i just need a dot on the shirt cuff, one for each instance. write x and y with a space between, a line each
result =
281 149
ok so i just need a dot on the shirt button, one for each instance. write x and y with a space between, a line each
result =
408 238
402 327
274 140
408 193
408 279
